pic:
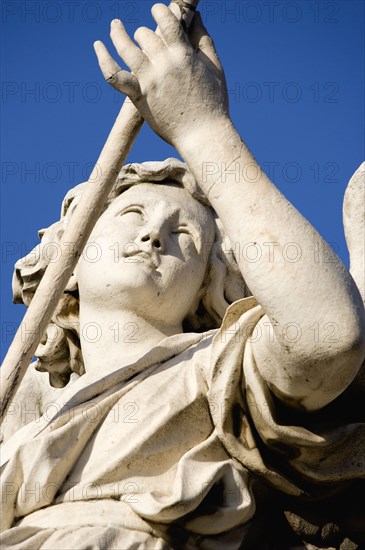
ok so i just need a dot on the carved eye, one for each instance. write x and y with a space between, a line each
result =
132 210
182 231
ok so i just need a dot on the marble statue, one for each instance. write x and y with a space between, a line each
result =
205 370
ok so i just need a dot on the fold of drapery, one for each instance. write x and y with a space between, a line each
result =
248 434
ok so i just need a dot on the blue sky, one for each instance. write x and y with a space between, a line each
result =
295 72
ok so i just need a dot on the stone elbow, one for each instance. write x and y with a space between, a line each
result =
347 341
352 344
331 369
342 363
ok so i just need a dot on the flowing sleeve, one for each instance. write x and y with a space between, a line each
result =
304 457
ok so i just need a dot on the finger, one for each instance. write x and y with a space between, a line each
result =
128 51
108 66
148 41
170 28
200 39
120 80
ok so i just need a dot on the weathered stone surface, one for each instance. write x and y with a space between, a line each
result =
192 405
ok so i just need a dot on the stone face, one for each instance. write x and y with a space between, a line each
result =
191 405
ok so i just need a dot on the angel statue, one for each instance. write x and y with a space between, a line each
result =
193 401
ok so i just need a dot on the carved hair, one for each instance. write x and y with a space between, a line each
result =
59 351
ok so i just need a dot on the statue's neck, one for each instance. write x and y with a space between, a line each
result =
112 339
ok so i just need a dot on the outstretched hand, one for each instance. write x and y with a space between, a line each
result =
176 80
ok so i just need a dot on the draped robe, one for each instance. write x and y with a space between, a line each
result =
173 451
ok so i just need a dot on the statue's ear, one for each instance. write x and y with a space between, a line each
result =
72 284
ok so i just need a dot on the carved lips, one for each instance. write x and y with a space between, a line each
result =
141 255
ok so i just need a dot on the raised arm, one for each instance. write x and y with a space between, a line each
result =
313 339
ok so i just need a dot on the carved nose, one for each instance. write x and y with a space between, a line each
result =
154 240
